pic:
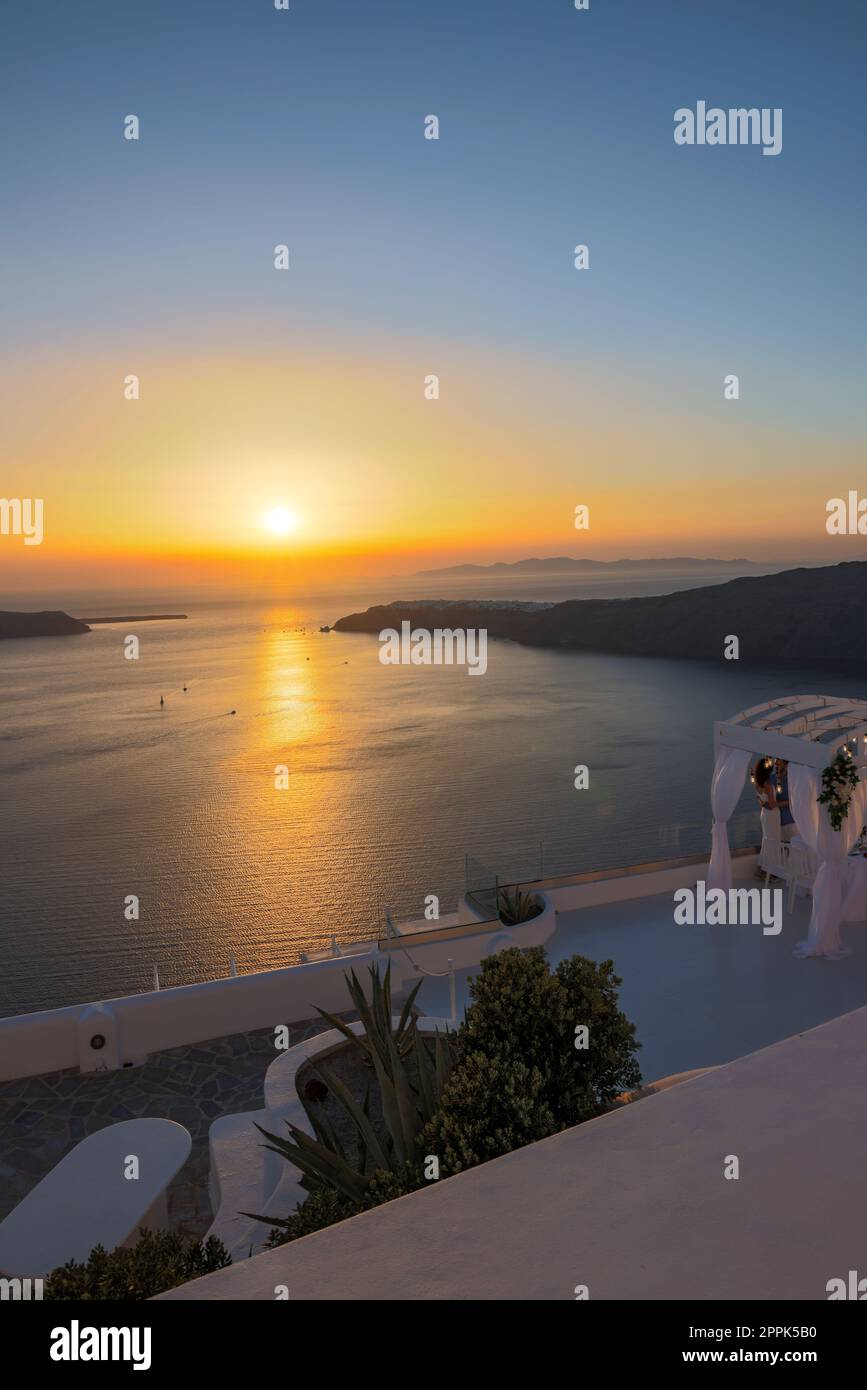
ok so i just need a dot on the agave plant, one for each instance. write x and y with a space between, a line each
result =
515 906
410 1097
376 1015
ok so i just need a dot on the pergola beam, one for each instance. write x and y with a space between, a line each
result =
805 729
763 742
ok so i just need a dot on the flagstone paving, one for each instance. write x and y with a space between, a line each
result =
43 1117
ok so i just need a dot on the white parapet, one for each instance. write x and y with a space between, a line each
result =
137 1025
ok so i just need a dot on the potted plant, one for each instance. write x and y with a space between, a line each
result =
514 906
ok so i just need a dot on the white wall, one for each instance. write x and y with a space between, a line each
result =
139 1024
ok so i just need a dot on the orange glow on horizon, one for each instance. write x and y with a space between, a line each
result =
317 468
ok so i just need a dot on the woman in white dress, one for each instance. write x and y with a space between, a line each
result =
766 793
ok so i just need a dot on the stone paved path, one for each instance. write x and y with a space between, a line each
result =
42 1117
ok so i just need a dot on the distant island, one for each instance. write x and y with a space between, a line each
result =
567 564
47 624
138 618
58 624
802 616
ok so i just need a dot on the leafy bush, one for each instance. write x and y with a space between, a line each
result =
489 1107
159 1260
518 1075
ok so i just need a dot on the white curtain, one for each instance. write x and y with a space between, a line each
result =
830 847
725 791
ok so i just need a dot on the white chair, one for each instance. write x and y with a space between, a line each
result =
774 859
802 870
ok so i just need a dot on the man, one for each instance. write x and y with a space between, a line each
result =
781 791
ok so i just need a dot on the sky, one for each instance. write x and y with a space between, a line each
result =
298 395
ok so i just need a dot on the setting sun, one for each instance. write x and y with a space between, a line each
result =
280 521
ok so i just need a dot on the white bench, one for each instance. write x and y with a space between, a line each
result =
86 1200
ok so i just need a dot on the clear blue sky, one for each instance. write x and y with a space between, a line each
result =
261 127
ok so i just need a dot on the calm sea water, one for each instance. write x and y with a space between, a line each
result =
396 775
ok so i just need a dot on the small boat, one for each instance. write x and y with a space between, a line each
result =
162 701
326 628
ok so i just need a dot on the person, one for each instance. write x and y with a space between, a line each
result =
766 793
781 792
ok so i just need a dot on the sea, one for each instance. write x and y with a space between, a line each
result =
292 789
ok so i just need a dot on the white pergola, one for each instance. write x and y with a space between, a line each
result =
808 731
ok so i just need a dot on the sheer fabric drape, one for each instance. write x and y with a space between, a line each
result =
830 847
728 780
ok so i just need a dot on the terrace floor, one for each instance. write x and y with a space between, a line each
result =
701 995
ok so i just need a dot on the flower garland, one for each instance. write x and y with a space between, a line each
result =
839 780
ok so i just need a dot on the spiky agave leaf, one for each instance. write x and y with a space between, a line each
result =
433 1073
378 1013
404 1028
357 1039
410 1117
346 1099
319 1163
325 1131
390 1112
362 1147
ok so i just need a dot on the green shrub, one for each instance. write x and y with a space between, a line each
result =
159 1260
518 1075
489 1107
